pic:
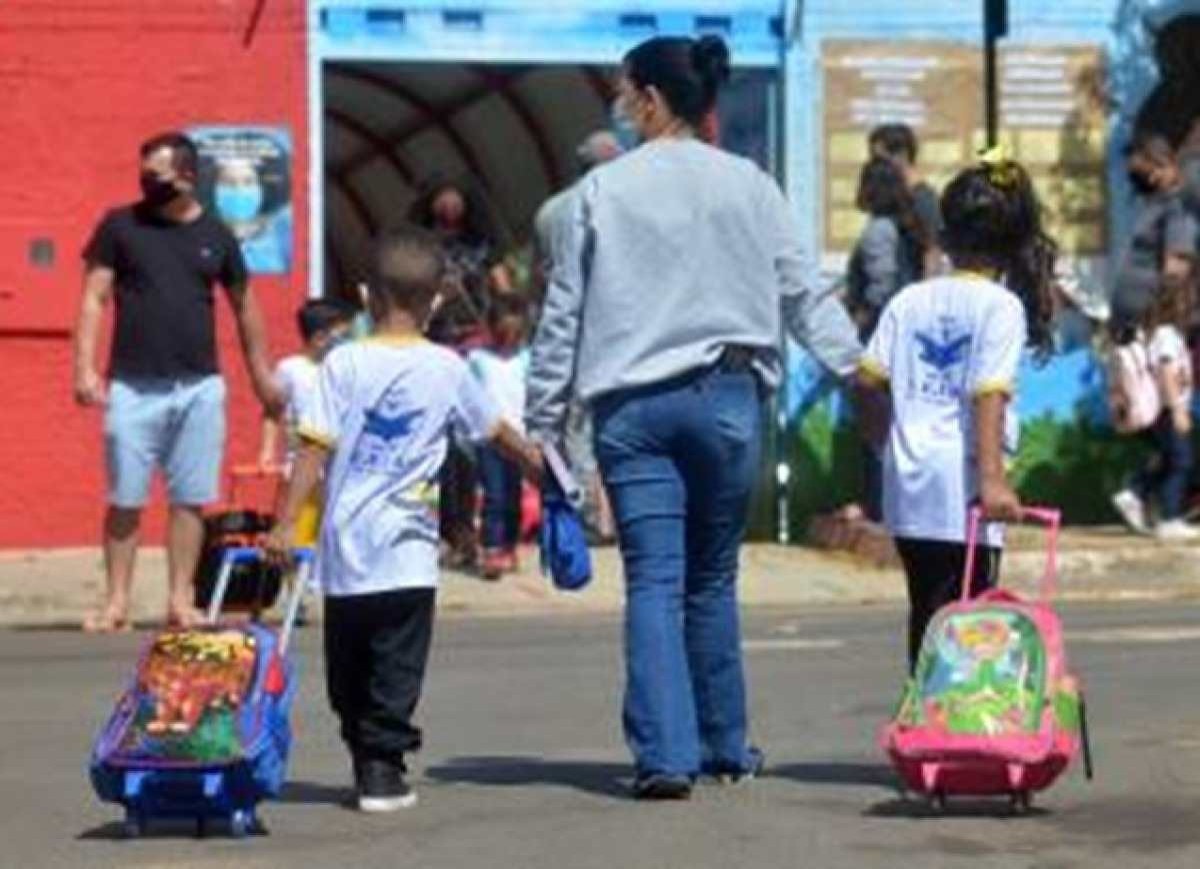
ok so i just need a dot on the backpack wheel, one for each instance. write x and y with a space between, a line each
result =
1021 802
937 801
134 825
240 824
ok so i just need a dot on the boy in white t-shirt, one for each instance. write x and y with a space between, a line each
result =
501 367
946 354
378 429
323 324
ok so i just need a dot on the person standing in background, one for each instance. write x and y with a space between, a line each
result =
898 143
164 401
1161 251
455 212
889 255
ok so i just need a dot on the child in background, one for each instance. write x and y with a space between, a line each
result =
380 421
500 367
946 354
1167 471
323 323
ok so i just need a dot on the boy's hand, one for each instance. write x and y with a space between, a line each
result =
999 501
277 547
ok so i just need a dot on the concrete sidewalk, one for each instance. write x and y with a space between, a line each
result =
56 588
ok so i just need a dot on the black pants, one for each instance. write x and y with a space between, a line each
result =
935 571
376 648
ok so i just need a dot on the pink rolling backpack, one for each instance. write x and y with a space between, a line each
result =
992 709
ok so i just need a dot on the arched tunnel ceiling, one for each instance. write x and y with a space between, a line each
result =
388 126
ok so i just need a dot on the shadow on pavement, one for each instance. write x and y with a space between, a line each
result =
835 773
604 779
316 794
916 808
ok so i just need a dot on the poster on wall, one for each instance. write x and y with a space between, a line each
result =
245 180
1052 115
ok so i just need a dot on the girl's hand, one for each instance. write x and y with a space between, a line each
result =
999 501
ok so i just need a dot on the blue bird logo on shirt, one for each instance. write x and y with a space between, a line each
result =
944 354
389 428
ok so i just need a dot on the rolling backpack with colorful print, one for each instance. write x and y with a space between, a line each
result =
992 708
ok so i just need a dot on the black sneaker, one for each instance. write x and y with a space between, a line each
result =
659 786
381 787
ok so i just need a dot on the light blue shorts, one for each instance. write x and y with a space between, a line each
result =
176 425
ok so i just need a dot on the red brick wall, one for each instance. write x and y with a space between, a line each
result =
83 84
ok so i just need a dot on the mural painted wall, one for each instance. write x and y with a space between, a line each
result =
1073 80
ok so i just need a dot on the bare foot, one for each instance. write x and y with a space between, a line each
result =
111 619
185 617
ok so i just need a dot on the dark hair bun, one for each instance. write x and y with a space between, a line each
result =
710 58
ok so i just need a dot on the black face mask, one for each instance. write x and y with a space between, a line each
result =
1141 184
156 191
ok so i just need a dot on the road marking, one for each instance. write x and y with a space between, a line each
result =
791 645
1136 635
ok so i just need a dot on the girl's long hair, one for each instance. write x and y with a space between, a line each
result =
993 218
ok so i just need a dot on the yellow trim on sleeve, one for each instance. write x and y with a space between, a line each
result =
874 372
994 387
319 438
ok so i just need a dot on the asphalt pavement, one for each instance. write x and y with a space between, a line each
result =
524 765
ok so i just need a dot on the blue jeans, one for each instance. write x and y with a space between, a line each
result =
1167 472
679 460
501 500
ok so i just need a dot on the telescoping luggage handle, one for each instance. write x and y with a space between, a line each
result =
1049 517
235 555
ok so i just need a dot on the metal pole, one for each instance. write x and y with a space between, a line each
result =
989 85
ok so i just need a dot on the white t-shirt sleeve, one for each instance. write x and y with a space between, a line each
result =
876 362
321 418
1167 346
1001 342
475 414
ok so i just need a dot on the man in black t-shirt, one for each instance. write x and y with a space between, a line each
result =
164 398
898 143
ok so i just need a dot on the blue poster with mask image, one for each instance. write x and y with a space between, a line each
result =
245 179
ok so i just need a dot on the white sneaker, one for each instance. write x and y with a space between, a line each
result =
1132 510
1176 529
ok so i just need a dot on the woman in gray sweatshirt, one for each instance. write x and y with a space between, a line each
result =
664 311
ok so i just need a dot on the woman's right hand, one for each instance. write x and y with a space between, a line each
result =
1181 418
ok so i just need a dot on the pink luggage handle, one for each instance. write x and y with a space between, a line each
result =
1049 517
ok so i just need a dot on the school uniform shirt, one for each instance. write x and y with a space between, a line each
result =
1168 349
296 377
939 345
385 408
503 377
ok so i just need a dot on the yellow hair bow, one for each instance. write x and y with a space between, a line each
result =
1003 171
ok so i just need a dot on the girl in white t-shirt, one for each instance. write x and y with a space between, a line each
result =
944 361
1166 472
500 367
